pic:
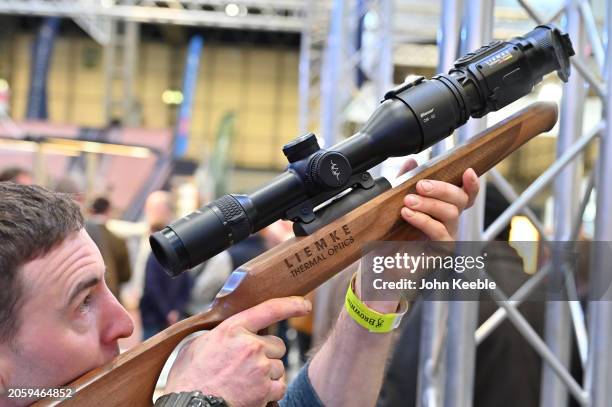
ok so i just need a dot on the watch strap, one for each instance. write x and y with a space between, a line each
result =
190 399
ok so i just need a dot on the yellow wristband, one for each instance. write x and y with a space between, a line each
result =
372 320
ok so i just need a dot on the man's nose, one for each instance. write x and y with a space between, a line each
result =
117 322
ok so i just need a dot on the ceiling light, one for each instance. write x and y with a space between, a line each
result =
232 10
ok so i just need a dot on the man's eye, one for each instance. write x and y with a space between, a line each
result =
84 306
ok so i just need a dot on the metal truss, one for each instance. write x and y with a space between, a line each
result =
401 27
120 60
98 27
463 315
562 317
114 24
346 51
328 66
312 45
281 15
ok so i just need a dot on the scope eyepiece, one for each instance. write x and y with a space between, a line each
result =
412 117
550 37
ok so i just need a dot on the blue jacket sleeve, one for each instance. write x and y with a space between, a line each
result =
300 392
155 286
184 293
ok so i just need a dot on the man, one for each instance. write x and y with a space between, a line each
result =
164 298
158 212
209 277
58 319
17 174
113 248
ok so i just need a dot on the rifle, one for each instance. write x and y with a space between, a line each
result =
129 380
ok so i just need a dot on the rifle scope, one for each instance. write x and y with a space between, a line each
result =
412 117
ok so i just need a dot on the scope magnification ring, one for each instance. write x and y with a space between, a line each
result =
234 217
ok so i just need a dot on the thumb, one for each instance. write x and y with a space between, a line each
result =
470 186
269 312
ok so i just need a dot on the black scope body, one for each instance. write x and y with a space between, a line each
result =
412 117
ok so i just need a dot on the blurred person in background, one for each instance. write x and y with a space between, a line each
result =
17 175
158 212
164 299
67 185
113 248
210 276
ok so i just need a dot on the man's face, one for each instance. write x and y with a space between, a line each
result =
24 178
69 320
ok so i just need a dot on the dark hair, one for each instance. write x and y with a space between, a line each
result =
11 173
100 205
33 221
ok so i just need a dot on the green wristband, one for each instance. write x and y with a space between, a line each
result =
372 320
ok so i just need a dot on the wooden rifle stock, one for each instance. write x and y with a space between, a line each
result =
129 380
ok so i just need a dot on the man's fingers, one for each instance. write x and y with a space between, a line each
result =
408 165
470 185
442 211
277 369
443 191
274 346
269 312
432 228
277 390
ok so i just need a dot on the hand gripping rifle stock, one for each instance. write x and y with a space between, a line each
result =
129 380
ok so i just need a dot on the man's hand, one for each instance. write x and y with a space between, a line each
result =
436 207
233 362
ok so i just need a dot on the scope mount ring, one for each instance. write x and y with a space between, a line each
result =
305 211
